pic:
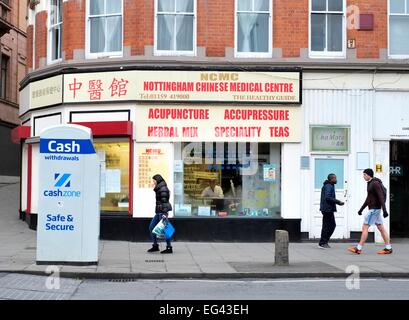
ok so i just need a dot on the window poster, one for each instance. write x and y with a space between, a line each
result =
152 159
269 173
112 180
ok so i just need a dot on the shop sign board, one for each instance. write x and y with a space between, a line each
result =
68 204
329 139
218 123
187 86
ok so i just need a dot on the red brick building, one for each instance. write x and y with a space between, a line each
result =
215 29
331 65
13 60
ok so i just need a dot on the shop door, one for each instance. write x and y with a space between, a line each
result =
399 188
323 167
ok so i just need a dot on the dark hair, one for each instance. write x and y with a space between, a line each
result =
330 176
369 172
158 178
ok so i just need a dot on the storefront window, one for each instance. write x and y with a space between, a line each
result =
114 158
227 180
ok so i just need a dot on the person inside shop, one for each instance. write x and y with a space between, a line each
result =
234 194
215 193
213 190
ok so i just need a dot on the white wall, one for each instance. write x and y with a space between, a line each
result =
381 156
24 177
391 115
290 181
35 178
351 108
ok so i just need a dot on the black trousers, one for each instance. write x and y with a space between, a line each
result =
328 227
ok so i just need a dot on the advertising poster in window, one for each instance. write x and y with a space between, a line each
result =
269 172
151 159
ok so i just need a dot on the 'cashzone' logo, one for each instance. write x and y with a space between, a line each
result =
62 180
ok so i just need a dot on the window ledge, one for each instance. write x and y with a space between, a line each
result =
251 55
398 57
10 103
314 55
159 53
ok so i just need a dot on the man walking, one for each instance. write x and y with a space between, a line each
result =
375 200
328 207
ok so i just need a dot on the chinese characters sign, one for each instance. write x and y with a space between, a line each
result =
218 123
242 87
97 89
151 161
329 139
45 92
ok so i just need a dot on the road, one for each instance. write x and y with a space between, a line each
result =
28 287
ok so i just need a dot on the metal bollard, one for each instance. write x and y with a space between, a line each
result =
281 248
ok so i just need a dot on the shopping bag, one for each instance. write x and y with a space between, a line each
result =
169 230
159 229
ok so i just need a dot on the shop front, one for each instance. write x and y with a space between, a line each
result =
225 142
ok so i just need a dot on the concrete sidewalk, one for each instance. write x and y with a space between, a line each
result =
124 260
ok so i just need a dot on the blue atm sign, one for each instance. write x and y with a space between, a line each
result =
66 146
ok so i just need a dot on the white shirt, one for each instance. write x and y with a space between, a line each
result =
216 193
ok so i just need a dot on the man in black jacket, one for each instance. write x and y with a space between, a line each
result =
162 208
328 207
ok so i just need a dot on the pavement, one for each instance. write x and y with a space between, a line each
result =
194 260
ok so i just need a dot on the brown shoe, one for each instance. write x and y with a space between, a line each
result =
354 250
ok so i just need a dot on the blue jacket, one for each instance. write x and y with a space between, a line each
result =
328 200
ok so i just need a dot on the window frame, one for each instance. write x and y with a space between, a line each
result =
396 56
112 139
327 54
50 27
268 54
104 54
158 52
4 79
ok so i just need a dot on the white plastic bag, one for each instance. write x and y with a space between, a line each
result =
159 229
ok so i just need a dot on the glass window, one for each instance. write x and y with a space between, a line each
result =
55 30
397 6
175 25
335 5
319 5
105 26
398 27
228 180
327 26
4 75
323 167
114 158
253 26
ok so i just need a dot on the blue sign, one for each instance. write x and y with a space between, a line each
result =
63 180
66 146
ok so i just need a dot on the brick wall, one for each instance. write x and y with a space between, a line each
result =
73 27
290 26
215 27
368 43
138 25
41 37
30 30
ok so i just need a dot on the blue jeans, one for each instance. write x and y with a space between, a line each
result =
155 220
